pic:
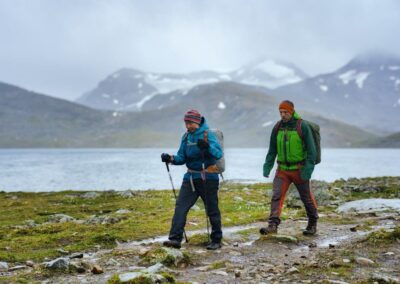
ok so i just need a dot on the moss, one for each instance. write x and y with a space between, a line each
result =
169 277
114 279
248 232
105 239
384 236
218 264
198 239
187 259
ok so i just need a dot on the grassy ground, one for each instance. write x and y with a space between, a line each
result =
150 215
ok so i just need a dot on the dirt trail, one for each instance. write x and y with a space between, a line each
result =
247 258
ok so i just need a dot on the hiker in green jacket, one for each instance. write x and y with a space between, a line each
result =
293 143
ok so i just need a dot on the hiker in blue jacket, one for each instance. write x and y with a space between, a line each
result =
199 150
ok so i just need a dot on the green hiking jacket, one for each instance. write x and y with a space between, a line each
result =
290 149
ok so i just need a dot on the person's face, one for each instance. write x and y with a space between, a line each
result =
191 126
285 115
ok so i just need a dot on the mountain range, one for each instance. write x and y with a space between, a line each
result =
365 92
246 115
128 89
356 105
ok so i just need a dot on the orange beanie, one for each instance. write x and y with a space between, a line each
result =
287 105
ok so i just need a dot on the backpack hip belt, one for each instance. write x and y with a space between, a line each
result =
213 169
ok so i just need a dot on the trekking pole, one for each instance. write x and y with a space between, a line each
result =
203 178
173 190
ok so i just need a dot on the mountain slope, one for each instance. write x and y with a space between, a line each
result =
391 141
365 92
129 89
245 114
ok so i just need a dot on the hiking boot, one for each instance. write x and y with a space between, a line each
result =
310 230
213 246
271 229
172 244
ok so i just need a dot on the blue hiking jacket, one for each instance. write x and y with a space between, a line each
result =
190 154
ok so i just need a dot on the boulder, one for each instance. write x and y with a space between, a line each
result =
369 205
140 277
90 195
123 211
61 263
3 266
364 261
321 192
279 238
60 218
380 278
126 193
166 256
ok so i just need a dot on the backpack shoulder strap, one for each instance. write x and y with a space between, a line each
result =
206 135
299 130
277 127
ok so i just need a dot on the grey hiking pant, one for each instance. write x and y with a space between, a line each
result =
187 198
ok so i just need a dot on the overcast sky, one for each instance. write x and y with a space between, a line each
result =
64 48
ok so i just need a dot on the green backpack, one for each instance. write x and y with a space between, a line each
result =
315 133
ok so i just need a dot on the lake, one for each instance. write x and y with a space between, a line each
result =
120 169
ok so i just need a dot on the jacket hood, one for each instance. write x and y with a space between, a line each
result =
203 126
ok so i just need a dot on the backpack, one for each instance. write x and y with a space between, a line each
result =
220 163
315 134
220 137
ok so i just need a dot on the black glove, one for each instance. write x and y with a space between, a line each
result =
203 145
166 158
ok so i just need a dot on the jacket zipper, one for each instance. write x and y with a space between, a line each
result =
285 139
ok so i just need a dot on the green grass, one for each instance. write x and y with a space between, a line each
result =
151 213
384 236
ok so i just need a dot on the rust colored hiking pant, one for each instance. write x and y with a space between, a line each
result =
281 184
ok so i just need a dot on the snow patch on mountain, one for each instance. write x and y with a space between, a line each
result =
168 84
394 68
397 84
268 123
225 77
347 76
352 75
143 101
361 77
276 70
324 88
221 105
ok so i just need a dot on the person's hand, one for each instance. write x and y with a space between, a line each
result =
266 170
305 174
203 145
166 158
